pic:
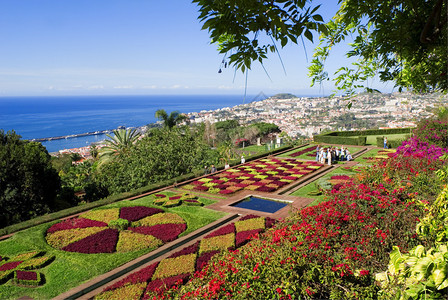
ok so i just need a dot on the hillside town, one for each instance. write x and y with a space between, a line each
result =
307 116
303 117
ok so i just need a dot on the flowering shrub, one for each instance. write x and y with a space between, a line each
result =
179 266
150 228
434 132
419 148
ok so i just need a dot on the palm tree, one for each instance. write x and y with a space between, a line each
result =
171 120
118 145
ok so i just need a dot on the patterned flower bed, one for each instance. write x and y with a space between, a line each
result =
178 199
180 266
304 151
382 154
116 230
22 266
265 175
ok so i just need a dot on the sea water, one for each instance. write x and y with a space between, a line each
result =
44 117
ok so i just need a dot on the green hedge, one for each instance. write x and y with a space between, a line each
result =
357 137
122 196
390 143
343 140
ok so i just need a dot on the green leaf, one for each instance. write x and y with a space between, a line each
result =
439 275
308 35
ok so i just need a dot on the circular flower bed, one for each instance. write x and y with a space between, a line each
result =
116 230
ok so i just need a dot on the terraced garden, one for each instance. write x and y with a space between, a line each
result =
61 255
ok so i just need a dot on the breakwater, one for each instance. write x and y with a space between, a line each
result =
71 136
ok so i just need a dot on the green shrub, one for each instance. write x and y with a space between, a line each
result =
120 224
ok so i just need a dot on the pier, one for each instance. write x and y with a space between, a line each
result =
72 136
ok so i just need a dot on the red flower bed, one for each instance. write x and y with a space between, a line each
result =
243 237
266 189
143 275
160 285
26 275
201 188
187 250
226 192
10 265
164 232
203 260
101 242
222 231
135 213
75 223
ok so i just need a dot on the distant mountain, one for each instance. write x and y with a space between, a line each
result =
284 96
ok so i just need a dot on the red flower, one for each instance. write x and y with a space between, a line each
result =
364 272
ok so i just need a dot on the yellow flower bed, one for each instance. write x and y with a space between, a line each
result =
103 215
161 218
132 241
168 267
250 224
62 238
220 242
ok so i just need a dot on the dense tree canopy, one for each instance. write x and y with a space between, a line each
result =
28 182
162 155
400 41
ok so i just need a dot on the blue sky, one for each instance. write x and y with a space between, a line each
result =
116 47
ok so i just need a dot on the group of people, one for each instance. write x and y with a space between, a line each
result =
331 155
213 169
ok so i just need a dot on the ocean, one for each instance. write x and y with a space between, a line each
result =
43 117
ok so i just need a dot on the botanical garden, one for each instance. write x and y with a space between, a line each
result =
371 228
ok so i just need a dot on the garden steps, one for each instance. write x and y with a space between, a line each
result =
96 285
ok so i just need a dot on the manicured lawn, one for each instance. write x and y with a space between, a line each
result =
254 148
69 269
371 139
